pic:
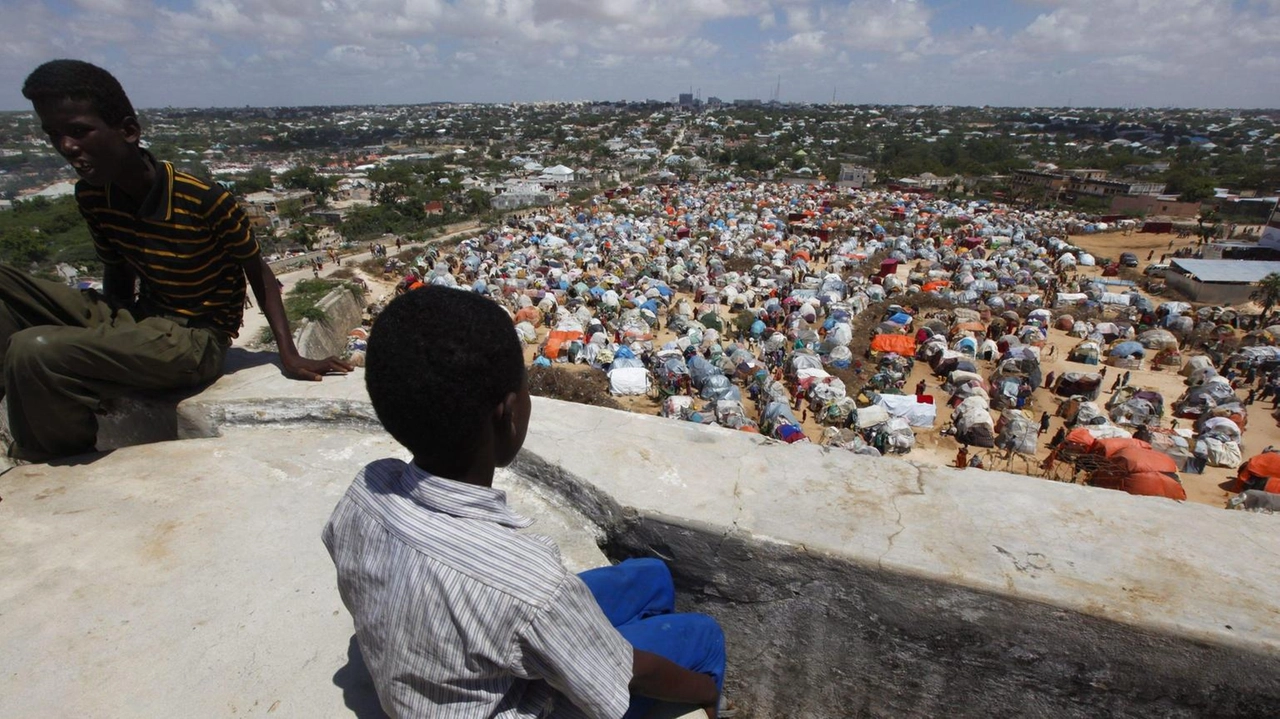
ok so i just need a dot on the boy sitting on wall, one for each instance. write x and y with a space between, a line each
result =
457 614
176 254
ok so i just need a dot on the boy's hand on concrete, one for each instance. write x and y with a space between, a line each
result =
301 368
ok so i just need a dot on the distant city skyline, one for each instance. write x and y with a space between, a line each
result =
1081 53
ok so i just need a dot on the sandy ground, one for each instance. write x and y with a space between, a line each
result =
380 288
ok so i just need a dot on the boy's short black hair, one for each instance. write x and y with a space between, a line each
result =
439 361
78 80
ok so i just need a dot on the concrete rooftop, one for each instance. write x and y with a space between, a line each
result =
187 578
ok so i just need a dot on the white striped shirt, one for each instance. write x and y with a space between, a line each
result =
458 615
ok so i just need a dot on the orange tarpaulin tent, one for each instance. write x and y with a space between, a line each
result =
1260 472
934 285
1154 484
1109 446
1138 470
1079 439
556 340
529 314
1136 460
901 344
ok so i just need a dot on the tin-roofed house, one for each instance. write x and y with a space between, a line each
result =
1219 282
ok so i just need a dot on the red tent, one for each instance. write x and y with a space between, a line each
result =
1109 446
1139 470
1078 440
1154 484
1260 472
900 344
1136 460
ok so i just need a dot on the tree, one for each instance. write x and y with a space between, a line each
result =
256 180
1267 294
306 178
23 246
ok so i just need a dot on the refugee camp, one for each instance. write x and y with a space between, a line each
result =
879 322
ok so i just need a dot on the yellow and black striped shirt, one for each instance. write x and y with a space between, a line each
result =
186 241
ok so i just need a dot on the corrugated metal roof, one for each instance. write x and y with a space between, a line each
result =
1227 270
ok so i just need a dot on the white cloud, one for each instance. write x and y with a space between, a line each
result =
801 47
881 25
264 51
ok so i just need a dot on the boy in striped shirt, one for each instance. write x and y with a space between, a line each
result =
457 614
177 252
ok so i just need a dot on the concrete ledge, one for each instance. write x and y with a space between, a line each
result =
329 337
849 585
187 579
253 390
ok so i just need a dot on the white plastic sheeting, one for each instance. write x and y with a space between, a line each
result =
629 381
917 414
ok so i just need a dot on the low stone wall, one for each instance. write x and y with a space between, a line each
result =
343 311
852 586
856 586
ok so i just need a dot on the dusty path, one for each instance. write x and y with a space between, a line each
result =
255 321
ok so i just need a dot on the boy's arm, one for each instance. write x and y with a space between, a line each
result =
657 677
118 283
267 292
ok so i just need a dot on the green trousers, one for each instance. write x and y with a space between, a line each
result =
65 351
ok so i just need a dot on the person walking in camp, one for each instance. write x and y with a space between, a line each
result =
920 387
1048 380
1124 379
1044 422
1058 436
962 457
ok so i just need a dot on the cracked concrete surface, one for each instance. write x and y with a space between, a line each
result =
188 579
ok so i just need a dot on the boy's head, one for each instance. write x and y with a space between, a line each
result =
87 116
445 373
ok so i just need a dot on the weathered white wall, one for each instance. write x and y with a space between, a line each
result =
849 585
317 340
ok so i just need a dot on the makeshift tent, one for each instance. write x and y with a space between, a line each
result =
1140 471
1158 340
1217 452
558 342
1072 384
718 387
1017 432
898 435
872 416
1128 350
675 405
1086 352
917 414
1261 472
629 381
1215 391
973 423
898 344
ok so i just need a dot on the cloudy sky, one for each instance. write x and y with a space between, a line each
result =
1189 53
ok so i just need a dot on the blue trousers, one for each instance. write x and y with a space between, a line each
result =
639 599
